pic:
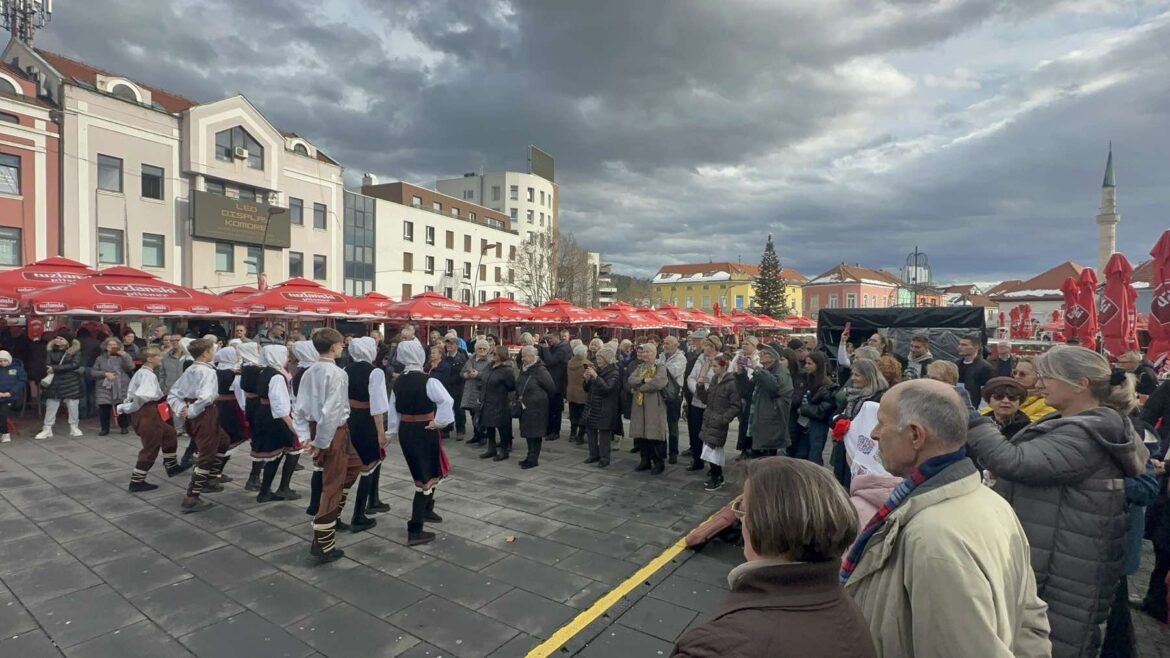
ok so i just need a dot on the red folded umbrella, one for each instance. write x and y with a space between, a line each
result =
1075 317
299 297
1087 299
1015 316
1158 321
1026 322
125 291
1115 311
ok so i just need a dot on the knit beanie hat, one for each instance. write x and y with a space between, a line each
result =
714 341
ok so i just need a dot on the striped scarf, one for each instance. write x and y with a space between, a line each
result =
924 472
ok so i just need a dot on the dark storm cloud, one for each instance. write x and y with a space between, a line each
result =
704 124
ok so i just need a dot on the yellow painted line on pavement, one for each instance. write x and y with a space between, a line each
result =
568 631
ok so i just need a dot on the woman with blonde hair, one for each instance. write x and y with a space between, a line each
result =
1026 374
1065 478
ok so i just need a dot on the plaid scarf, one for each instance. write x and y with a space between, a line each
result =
927 470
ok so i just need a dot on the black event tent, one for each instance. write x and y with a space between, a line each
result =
944 325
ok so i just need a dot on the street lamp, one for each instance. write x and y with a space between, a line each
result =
272 210
475 275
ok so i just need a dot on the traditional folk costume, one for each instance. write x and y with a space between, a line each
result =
196 392
320 415
231 420
248 385
142 399
418 401
367 403
273 437
306 355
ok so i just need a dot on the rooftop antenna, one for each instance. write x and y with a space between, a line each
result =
24 17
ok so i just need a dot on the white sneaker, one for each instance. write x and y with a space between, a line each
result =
5 438
75 431
46 433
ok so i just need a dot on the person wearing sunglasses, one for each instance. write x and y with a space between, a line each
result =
1005 395
1034 404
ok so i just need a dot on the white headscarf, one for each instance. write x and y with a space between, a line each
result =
411 355
305 352
227 359
184 343
249 353
363 349
235 342
275 356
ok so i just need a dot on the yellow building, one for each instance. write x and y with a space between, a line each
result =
730 285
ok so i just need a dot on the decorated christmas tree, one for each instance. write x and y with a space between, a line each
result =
771 292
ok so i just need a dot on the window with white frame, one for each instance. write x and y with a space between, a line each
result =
296 211
227 141
466 270
514 193
449 293
416 201
152 182
109 173
9 174
430 235
531 217
10 254
408 231
225 257
449 268
110 246
428 264
834 301
531 195
153 250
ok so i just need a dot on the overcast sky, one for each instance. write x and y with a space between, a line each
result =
686 130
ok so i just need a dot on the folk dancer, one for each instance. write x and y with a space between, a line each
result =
320 416
231 419
306 355
142 399
192 399
367 404
419 408
249 382
273 435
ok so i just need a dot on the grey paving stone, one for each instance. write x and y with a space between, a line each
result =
343 631
218 518
618 640
84 615
31 550
151 521
281 599
11 483
542 550
296 561
597 542
457 584
372 591
186 606
549 582
259 538
120 505
589 595
645 533
661 619
183 541
14 619
141 572
56 506
460 551
452 627
99 549
50 579
466 527
535 615
227 567
287 514
386 556
520 645
708 569
520 502
645 554
13 529
532 524
688 593
245 635
598 567
424 650
141 640
33 644
68 528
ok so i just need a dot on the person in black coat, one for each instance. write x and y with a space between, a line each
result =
495 414
1157 408
603 410
555 355
64 362
537 394
817 406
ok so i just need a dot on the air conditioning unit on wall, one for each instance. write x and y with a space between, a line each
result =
240 153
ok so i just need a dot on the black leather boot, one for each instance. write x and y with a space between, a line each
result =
657 457
431 516
286 473
415 534
266 494
374 504
253 483
315 483
324 547
644 453
360 521
491 448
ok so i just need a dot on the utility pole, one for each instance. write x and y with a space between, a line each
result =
24 17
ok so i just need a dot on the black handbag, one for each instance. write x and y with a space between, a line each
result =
517 403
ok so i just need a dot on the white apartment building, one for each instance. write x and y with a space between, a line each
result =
532 202
429 242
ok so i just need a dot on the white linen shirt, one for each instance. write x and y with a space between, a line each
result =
144 387
198 382
323 398
444 403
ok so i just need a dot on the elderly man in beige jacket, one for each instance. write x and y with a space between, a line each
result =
944 568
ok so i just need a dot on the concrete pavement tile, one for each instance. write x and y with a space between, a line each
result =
533 614
343 631
31 550
460 551
286 514
259 537
11 483
646 534
281 599
33 644
688 593
457 524
476 508
520 645
707 569
387 556
645 554
542 550
151 521
220 517
531 504
84 615
106 546
183 541
565 497
549 582
597 542
589 595
598 567
227 567
68 528
457 584
14 619
452 627
141 640
245 635
50 579
661 619
54 507
113 507
186 606
532 524
424 650
13 529
599 521
617 640
372 591
295 560
141 572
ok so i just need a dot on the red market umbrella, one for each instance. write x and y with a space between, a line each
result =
433 307
625 316
687 318
798 322
45 273
1075 317
1026 322
716 321
747 321
1159 318
1115 310
299 297
662 320
1087 298
502 310
125 291
775 324
559 311
376 303
1015 314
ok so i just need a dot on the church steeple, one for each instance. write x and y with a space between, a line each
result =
1107 217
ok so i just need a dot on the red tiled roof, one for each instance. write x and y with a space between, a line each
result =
1049 281
744 269
1144 273
858 273
71 68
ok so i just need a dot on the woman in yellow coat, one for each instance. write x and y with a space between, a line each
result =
1034 405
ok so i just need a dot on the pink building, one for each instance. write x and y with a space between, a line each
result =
851 286
29 172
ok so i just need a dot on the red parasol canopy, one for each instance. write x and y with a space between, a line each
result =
1087 299
748 321
799 322
661 319
45 273
1159 319
239 292
775 324
559 311
125 291
502 310
716 321
1115 311
433 307
687 318
624 316
299 297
